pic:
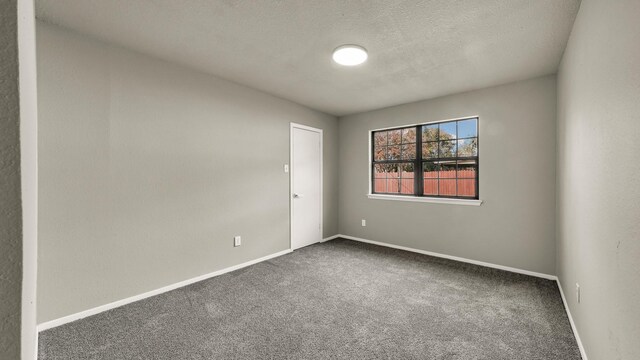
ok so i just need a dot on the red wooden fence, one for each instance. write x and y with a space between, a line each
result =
445 184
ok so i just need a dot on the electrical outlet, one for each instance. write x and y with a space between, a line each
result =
578 292
364 222
237 241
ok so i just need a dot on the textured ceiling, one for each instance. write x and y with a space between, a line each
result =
417 49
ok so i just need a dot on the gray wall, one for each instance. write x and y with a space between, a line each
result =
10 205
147 170
514 226
599 177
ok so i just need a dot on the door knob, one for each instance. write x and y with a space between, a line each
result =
297 196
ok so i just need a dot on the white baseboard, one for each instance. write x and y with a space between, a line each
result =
455 258
583 353
77 316
481 263
330 238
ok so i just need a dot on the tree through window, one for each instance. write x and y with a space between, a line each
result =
433 160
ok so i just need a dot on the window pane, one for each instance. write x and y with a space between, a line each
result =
409 135
467 169
448 148
468 147
389 169
394 137
393 185
430 170
393 152
380 185
380 138
430 150
406 170
406 178
430 132
409 151
394 178
430 187
406 186
467 187
379 153
447 169
447 187
467 128
447 130
379 171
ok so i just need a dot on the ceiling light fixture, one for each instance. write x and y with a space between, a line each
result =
350 55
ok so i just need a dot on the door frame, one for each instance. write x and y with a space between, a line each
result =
293 126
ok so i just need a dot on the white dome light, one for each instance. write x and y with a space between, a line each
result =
350 55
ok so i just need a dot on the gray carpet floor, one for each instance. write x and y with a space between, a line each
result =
336 300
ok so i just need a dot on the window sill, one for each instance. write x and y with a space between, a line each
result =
426 199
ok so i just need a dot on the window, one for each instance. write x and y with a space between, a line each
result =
427 160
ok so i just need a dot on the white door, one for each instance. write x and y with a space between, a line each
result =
306 185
